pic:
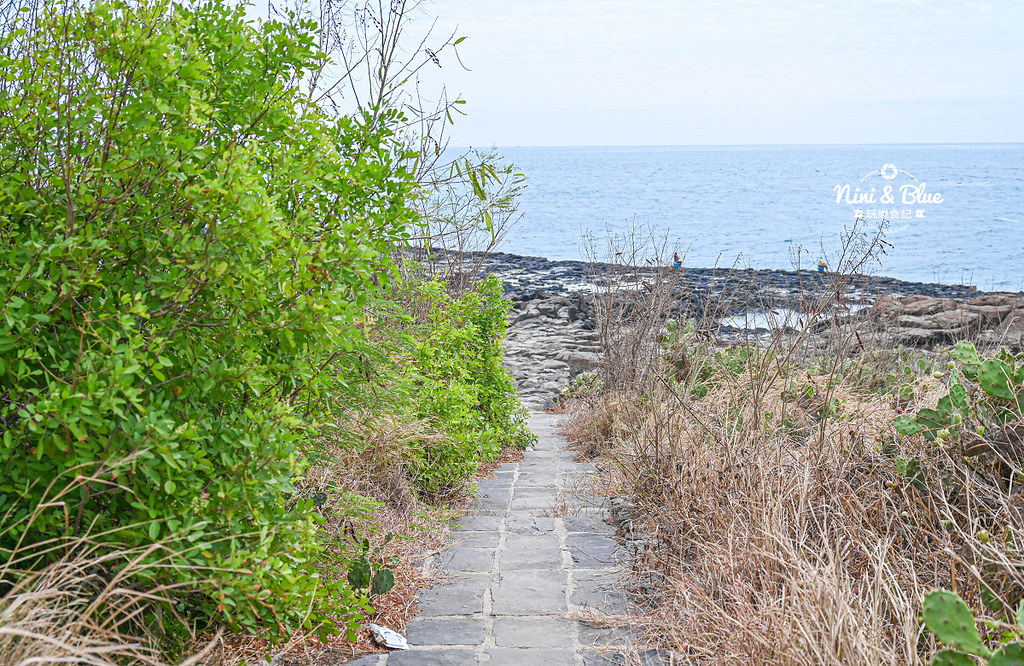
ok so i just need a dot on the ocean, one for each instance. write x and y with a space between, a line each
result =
954 214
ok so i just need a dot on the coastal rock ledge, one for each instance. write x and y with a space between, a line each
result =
991 320
552 334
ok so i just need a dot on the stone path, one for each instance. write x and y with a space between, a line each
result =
534 552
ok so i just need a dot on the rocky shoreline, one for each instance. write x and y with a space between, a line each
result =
526 277
552 333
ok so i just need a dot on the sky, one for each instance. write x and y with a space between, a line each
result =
656 72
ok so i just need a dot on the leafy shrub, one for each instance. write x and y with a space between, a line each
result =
186 241
461 386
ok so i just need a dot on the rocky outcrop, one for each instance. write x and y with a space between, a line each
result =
921 321
733 290
552 335
551 339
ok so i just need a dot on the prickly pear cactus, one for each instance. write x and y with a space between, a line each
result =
1011 654
952 622
958 396
952 658
963 414
995 378
967 354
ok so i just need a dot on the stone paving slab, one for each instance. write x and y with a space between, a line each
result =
527 632
480 521
533 504
593 524
478 539
519 570
497 493
599 591
460 596
534 491
502 482
518 524
594 551
446 631
433 657
531 551
537 592
521 657
476 560
545 480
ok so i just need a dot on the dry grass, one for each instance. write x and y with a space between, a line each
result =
781 525
782 529
84 600
83 609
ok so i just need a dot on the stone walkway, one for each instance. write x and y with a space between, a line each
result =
532 554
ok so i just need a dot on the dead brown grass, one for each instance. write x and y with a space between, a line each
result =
84 599
798 541
83 609
781 523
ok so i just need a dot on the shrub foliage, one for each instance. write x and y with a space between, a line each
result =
187 242
461 386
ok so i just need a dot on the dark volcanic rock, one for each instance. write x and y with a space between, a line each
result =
552 334
532 278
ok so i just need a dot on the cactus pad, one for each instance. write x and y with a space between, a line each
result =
1011 654
994 378
958 396
952 622
951 658
966 353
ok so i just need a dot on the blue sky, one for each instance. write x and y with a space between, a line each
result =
649 72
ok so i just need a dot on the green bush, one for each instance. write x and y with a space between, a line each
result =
460 385
186 242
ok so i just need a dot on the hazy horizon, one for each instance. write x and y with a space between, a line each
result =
748 145
732 72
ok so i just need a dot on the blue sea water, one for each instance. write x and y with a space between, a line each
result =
764 206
